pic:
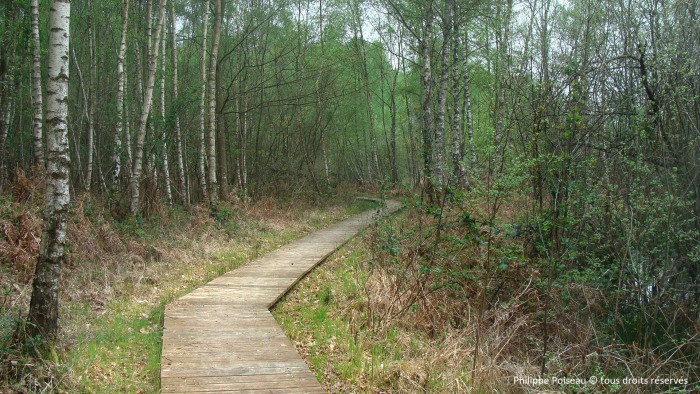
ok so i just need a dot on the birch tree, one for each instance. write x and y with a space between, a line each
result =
37 97
216 36
43 308
164 147
92 101
184 190
201 162
427 84
135 183
121 86
438 171
460 173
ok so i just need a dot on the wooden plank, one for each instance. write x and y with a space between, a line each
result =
287 382
222 337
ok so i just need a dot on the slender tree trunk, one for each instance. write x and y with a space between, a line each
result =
139 77
163 137
4 91
43 307
150 169
92 101
121 86
409 136
127 125
37 98
427 82
201 169
326 165
5 120
216 35
374 149
442 100
392 139
86 110
222 143
184 190
460 172
243 143
320 104
145 111
504 12
469 122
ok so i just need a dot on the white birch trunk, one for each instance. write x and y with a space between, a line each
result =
442 101
216 34
427 82
459 171
201 170
127 125
121 85
145 111
164 151
91 102
184 191
43 309
37 98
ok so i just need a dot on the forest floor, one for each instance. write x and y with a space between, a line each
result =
121 273
429 300
334 318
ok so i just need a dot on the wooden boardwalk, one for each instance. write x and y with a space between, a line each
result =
222 336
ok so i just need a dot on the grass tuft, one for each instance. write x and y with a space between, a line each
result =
120 275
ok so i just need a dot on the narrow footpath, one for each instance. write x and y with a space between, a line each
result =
223 338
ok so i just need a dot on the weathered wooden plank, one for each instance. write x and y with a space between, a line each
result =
231 389
288 382
222 337
226 369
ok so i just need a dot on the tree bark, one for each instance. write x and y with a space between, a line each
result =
222 144
427 82
43 308
145 111
163 137
6 61
374 149
392 140
442 100
121 86
503 15
92 101
460 172
86 110
37 98
184 190
216 35
468 119
201 169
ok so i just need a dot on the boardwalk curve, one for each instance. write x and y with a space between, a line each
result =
222 338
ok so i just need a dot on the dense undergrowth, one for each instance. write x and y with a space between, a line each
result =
452 298
120 274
